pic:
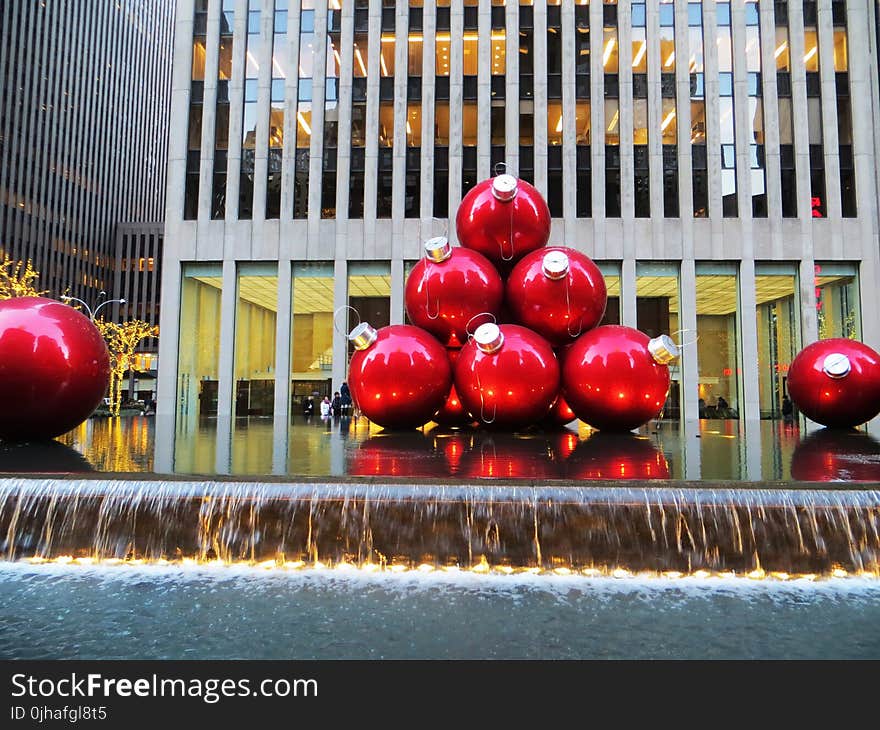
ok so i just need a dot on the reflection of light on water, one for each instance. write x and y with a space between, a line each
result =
481 567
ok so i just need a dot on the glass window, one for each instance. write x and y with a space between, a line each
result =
717 341
841 61
386 55
254 395
657 312
198 367
611 274
554 123
610 51
783 51
369 294
414 53
777 313
582 122
837 300
811 49
612 122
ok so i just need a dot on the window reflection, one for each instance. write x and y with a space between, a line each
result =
717 341
776 313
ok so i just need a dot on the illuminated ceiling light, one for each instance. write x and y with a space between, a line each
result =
382 64
360 60
304 123
812 53
387 39
613 123
640 55
667 121
559 124
609 47
415 39
670 60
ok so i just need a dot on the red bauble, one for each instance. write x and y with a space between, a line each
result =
54 368
449 287
452 413
503 218
558 292
400 375
836 455
560 413
836 382
612 381
616 456
507 377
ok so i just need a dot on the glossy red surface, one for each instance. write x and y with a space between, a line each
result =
834 455
513 387
402 379
442 297
397 454
611 381
508 456
616 456
560 413
54 368
836 402
452 413
560 310
503 232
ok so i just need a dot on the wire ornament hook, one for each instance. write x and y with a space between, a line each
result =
425 283
580 320
488 421
467 327
500 168
336 320
685 344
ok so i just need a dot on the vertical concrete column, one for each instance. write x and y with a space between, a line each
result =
456 86
236 105
831 145
181 72
484 89
770 103
343 144
281 414
628 292
209 111
316 247
371 153
683 128
597 133
397 284
429 60
166 381
511 92
713 128
340 340
690 371
226 368
539 95
749 396
655 133
264 85
625 101
569 132
291 103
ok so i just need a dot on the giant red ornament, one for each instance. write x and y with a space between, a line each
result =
507 377
503 218
449 287
560 413
836 382
399 375
54 368
558 292
616 378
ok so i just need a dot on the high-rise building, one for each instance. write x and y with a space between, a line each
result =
84 102
716 159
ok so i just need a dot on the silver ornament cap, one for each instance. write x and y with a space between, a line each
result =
362 336
438 249
836 365
555 264
663 349
504 187
489 337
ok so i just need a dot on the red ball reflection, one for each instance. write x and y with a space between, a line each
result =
611 380
836 382
443 296
503 230
401 379
560 413
506 456
558 292
512 387
454 445
837 455
400 454
616 456
54 368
